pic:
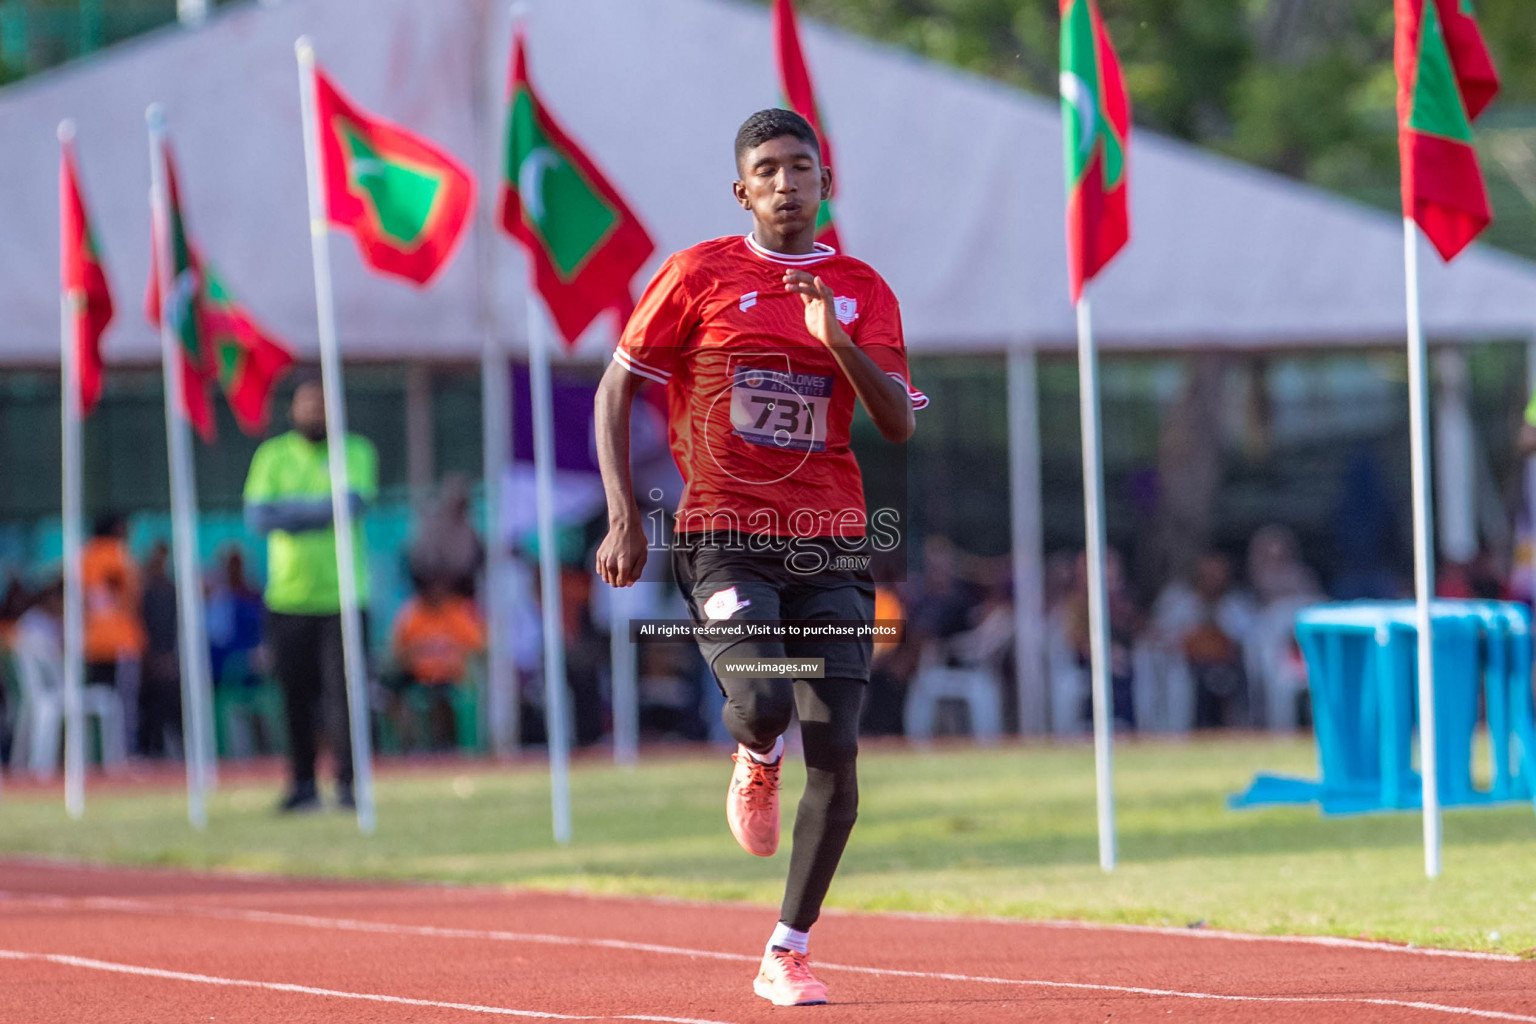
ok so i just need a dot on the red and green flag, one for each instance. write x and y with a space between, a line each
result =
1096 135
405 200
247 361
1445 79
181 307
799 96
219 339
585 243
83 279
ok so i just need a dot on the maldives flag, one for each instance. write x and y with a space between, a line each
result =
182 307
799 96
1445 79
585 242
247 361
83 280
1096 134
406 201
220 341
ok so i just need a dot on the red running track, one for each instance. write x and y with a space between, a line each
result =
109 945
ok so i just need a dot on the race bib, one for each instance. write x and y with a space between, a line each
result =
776 409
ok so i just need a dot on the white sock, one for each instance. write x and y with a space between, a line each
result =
789 938
772 757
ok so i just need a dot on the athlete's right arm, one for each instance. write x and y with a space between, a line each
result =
621 555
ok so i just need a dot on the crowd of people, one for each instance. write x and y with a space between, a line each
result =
1212 648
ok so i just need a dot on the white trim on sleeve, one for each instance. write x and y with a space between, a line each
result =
638 368
918 399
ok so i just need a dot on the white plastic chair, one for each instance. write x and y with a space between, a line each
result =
980 687
40 718
1163 691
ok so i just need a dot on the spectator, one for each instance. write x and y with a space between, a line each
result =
38 626
446 548
12 606
939 609
1365 531
114 627
1206 620
1124 628
1275 569
890 671
288 501
1282 585
43 621
989 640
234 623
586 654
1477 580
435 634
160 699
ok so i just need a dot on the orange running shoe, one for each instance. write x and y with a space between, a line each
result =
752 803
785 979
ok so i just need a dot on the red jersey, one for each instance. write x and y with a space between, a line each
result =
759 411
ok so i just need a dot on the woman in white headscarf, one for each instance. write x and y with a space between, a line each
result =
1282 585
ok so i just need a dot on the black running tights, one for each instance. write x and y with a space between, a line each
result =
757 711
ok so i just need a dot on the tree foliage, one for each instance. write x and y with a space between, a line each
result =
1303 87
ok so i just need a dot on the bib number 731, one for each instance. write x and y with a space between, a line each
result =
775 409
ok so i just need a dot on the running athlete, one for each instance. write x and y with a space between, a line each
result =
764 344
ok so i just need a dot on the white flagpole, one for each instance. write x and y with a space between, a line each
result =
1098 599
1423 548
542 402
501 675
503 706
625 670
336 445
555 715
74 600
189 593
1024 502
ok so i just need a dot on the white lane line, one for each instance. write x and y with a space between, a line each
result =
1328 941
1463 1011
309 990
433 931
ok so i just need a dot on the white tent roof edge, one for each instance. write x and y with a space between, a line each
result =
949 184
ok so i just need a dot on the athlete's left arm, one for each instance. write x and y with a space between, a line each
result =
884 398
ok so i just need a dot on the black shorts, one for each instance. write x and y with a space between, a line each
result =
789 580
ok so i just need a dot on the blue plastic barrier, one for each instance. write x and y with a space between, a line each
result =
1362 670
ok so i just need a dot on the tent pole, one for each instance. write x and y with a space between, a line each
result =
625 670
1098 599
503 705
1028 575
501 679
1423 549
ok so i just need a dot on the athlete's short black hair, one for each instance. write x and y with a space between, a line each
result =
773 123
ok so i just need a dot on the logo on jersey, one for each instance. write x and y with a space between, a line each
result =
845 309
747 301
724 604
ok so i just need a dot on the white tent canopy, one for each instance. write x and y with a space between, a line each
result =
950 185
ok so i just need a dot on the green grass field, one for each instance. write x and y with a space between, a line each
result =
1006 832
